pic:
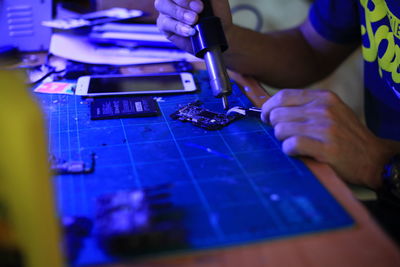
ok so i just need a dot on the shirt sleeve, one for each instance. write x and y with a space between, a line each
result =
336 20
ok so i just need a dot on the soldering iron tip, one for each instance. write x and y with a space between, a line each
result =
225 102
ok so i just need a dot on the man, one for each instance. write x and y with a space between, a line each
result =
317 123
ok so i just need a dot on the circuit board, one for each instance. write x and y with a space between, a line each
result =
203 118
234 184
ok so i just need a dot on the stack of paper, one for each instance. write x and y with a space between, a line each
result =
118 44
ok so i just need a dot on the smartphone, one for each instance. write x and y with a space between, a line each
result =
135 84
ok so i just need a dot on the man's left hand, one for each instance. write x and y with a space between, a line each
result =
318 124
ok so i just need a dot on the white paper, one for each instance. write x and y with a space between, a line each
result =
79 49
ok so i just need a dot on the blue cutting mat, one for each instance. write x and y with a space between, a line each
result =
235 185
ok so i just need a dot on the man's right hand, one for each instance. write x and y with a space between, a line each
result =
177 17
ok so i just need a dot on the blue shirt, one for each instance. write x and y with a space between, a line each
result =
376 25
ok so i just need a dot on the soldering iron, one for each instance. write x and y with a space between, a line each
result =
208 43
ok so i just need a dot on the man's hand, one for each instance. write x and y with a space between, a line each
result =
177 17
319 125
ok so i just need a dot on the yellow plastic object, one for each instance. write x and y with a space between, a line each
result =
26 193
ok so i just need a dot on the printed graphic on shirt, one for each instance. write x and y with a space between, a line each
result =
381 39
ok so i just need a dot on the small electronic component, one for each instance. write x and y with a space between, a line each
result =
59 167
138 222
203 118
123 107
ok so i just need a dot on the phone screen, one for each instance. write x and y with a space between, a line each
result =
126 84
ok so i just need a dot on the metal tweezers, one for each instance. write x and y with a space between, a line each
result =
246 112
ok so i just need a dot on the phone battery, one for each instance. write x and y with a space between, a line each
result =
123 107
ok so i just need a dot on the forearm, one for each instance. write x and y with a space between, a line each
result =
279 59
287 59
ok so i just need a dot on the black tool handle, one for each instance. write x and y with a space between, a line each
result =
207 11
209 32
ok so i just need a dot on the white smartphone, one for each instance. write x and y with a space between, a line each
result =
133 84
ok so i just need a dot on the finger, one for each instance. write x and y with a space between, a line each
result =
287 114
181 43
284 98
170 26
195 5
287 98
286 130
310 113
181 13
303 146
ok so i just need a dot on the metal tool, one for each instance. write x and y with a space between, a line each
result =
251 112
60 167
209 42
